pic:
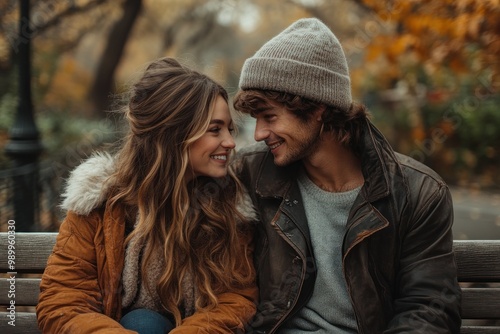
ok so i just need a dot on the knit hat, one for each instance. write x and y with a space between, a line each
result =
306 59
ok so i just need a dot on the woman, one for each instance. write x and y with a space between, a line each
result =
156 237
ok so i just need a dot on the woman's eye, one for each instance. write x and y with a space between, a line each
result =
231 130
216 129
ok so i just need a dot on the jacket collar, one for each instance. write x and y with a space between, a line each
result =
272 180
376 159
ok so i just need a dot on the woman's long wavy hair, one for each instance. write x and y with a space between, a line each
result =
195 222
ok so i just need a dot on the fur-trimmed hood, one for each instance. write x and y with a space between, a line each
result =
88 186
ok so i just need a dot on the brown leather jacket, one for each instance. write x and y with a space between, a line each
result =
81 286
397 252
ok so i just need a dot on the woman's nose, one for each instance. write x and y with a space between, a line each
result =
228 142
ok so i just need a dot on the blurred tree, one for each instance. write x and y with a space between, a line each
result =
57 28
46 15
68 28
110 58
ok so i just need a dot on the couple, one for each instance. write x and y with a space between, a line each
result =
347 236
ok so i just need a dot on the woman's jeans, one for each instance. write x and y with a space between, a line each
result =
145 321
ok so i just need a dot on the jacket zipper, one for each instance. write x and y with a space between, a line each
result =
290 308
343 268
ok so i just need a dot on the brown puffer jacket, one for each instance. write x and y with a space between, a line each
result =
81 286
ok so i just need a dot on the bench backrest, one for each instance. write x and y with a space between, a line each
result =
31 251
478 264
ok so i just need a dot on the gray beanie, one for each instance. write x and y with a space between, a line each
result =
306 59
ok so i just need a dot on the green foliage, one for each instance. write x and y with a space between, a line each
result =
59 130
480 131
467 148
8 106
481 123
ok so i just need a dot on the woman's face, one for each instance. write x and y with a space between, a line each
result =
208 156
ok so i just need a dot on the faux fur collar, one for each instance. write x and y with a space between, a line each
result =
88 186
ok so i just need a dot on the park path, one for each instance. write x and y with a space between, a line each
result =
477 214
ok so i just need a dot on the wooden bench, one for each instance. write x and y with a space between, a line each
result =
478 272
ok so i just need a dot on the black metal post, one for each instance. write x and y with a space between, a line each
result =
24 145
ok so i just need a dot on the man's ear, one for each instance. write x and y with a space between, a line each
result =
318 113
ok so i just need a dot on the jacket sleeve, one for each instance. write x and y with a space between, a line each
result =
428 296
70 298
234 310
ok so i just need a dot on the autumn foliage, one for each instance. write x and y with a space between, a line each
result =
462 35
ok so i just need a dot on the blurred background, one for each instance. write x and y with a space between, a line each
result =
429 72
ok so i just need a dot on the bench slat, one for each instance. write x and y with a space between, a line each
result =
478 303
26 291
31 252
480 330
481 303
467 253
25 323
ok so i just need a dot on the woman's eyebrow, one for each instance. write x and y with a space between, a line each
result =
219 121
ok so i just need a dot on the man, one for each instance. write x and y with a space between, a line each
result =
354 238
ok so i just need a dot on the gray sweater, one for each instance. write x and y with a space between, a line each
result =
329 310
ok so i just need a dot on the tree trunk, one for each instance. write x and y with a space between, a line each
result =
117 39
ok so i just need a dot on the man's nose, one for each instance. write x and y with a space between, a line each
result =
261 132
